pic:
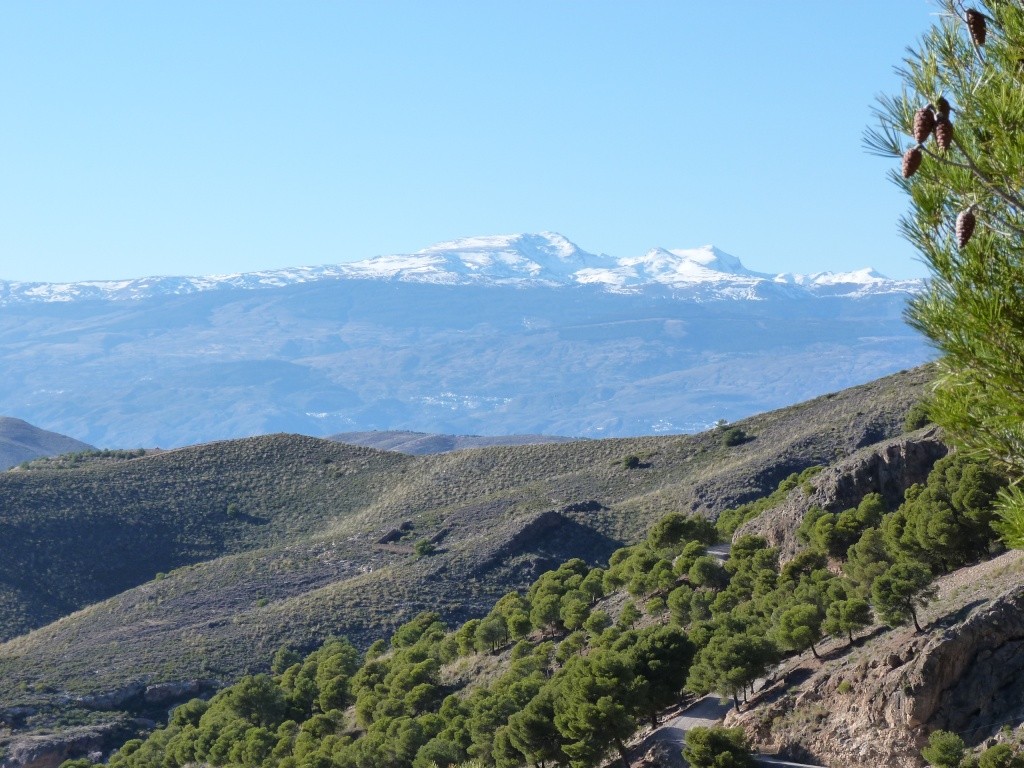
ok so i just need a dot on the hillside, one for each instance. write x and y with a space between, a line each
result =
875 703
815 647
20 441
204 560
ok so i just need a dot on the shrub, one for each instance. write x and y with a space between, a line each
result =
733 436
944 750
711 747
424 548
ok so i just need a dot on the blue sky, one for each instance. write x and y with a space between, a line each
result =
195 138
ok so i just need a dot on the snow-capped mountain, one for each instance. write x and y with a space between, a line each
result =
523 260
488 336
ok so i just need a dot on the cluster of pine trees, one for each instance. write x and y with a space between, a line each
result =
588 654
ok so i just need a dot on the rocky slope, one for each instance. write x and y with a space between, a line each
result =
887 468
874 704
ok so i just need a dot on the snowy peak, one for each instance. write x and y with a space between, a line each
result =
711 258
699 273
860 282
523 260
705 263
546 258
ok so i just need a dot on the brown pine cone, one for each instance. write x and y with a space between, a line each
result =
965 222
924 122
976 26
911 162
944 133
942 107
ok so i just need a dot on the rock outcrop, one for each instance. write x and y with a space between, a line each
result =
876 704
50 750
888 468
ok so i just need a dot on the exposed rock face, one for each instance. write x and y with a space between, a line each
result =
110 700
49 751
888 468
178 691
876 705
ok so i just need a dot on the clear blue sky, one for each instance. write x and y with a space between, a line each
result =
208 137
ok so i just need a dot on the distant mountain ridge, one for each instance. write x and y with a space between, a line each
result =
518 334
20 441
525 260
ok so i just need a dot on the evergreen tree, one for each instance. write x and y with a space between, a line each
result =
957 125
661 659
594 704
729 663
844 617
1000 756
717 748
898 593
944 750
799 627
532 731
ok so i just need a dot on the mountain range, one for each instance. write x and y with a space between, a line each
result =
523 260
488 335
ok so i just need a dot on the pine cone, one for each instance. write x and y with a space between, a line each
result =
965 222
942 107
911 162
924 122
976 26
944 133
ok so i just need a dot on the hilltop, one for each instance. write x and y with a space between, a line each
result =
419 443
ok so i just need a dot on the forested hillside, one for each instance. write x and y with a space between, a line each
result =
567 671
205 560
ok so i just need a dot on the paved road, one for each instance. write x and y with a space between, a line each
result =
707 712
703 712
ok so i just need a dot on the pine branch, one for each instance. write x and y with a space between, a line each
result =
970 165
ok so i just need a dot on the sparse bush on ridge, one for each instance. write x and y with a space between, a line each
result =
733 436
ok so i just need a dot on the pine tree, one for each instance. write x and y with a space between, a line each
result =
900 591
967 221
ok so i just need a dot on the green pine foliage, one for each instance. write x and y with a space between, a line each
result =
717 748
966 219
944 750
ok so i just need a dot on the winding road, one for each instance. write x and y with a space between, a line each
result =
706 712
